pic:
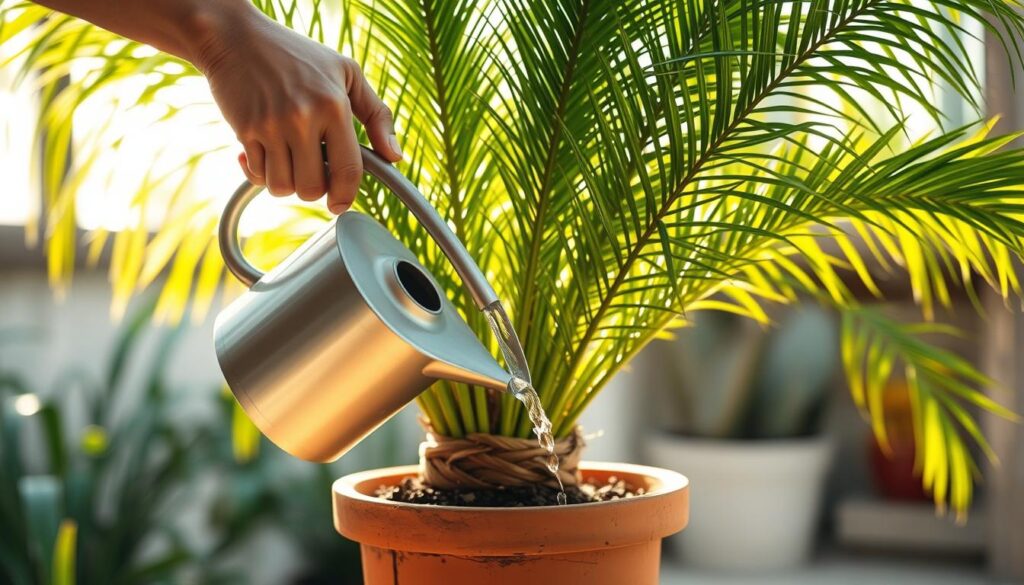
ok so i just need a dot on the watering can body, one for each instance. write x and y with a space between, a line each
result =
347 330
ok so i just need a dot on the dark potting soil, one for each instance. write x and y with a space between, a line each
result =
413 491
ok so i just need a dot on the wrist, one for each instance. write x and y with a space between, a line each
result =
215 28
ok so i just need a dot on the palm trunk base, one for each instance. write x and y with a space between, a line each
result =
486 461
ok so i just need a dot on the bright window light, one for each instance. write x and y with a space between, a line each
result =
147 147
20 199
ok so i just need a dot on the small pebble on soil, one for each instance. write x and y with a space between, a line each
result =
413 491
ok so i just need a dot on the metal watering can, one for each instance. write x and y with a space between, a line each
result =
348 329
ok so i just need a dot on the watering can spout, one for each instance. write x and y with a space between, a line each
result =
488 375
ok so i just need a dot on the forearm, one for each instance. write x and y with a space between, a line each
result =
183 28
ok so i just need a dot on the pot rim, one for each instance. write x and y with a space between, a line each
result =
485 531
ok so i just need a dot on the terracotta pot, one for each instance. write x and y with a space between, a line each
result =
610 543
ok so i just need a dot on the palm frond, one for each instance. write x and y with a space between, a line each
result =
943 393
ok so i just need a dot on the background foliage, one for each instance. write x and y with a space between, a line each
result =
614 166
105 482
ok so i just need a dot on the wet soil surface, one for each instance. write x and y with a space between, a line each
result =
414 491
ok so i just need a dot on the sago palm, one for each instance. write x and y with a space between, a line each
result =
614 166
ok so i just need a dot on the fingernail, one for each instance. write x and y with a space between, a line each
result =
393 144
338 208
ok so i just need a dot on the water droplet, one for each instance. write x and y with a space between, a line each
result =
547 442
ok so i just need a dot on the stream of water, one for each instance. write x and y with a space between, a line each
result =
521 386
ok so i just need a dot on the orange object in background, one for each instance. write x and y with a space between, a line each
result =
607 543
894 473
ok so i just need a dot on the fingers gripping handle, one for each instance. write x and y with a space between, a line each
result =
383 171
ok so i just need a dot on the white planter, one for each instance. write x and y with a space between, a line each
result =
754 505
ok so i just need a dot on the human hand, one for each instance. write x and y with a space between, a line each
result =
284 94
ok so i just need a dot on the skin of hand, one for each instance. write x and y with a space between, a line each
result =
282 93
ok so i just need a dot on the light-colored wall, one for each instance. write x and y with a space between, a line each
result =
45 335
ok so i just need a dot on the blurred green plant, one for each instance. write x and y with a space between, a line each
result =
613 166
96 474
266 487
80 505
733 379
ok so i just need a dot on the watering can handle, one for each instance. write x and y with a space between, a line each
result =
383 171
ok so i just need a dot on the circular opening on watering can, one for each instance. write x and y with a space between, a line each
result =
418 286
